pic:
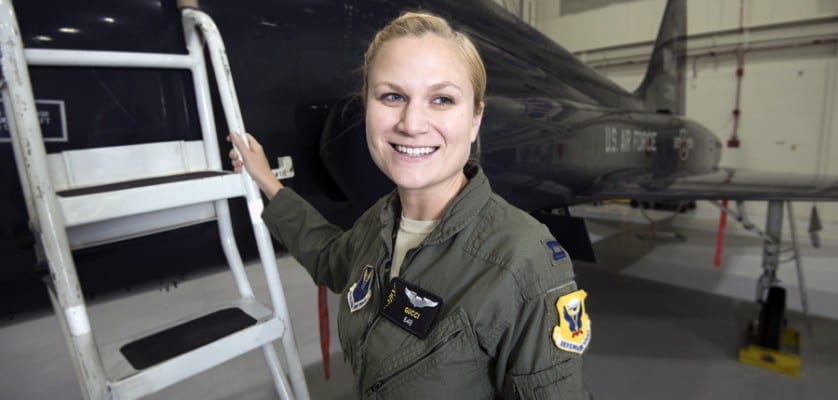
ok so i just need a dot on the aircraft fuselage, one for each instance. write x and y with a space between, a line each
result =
574 149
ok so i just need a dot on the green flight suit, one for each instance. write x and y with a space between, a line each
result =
499 274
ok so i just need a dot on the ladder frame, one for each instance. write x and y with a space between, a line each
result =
48 222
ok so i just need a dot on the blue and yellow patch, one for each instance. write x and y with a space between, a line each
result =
573 333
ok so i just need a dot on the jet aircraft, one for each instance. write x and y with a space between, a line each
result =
555 132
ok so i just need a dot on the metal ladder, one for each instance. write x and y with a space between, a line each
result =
54 213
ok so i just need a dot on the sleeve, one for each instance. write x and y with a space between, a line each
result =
541 350
323 249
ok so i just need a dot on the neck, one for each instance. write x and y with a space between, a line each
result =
430 203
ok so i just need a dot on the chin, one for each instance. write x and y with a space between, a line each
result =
410 184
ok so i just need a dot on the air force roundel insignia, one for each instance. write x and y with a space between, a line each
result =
359 293
573 333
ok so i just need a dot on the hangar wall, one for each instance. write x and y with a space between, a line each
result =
788 54
789 86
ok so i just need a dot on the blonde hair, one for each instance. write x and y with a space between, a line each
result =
421 23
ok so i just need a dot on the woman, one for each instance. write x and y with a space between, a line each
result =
451 293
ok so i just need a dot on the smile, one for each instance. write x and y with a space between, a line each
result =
414 151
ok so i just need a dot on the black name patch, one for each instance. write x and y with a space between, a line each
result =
411 308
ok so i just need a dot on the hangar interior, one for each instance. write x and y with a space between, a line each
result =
785 95
670 321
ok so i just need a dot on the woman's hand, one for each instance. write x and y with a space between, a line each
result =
253 159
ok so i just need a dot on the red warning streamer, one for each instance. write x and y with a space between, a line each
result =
323 309
720 236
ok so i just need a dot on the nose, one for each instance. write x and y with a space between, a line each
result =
413 119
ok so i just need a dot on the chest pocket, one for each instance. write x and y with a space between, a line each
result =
446 364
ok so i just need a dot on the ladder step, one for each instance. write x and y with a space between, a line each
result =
138 183
162 358
104 202
180 339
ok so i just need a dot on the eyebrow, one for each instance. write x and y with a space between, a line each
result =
444 84
436 86
389 85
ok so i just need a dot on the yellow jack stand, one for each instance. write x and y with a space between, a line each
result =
785 361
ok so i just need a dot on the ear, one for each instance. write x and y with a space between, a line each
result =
476 120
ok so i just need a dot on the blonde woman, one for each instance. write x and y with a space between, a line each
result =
448 291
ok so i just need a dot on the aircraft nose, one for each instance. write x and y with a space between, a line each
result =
711 143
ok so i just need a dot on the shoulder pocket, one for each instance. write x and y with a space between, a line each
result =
559 382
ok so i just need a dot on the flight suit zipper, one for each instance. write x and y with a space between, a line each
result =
362 349
381 382
362 367
363 355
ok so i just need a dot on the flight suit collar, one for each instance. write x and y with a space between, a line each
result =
465 206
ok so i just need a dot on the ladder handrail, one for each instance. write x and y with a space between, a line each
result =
235 122
18 102
100 58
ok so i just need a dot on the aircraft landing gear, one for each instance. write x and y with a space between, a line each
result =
769 342
772 319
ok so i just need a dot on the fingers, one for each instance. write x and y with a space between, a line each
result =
239 141
238 164
236 139
234 159
249 157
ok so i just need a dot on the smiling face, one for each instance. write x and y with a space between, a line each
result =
420 115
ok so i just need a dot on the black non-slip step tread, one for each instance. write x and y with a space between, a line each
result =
139 183
186 337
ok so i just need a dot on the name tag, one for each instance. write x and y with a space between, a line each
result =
411 308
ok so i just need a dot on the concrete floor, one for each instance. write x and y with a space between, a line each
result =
655 336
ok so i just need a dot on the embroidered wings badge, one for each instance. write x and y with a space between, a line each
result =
419 301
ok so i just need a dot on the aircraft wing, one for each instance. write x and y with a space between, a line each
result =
727 183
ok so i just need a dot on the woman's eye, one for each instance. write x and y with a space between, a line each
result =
391 97
443 100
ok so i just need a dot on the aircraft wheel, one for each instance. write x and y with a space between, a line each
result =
772 318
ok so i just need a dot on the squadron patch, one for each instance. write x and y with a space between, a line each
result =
359 293
573 333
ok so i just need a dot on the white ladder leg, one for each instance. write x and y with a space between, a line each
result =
29 149
231 250
237 268
280 381
203 102
195 19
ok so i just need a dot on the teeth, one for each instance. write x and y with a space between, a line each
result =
415 151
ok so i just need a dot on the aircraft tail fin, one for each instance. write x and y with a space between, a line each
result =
663 88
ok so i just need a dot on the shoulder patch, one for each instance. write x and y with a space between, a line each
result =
359 293
573 333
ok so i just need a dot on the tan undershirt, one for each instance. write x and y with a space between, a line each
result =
411 233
